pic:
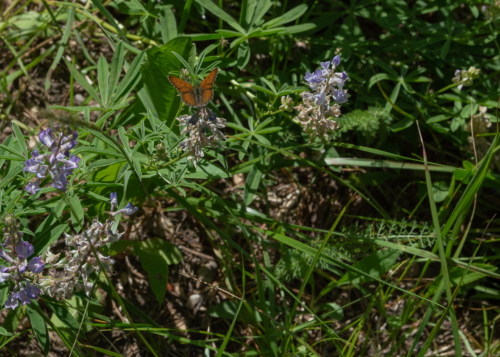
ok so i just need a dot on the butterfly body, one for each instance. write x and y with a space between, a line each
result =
199 95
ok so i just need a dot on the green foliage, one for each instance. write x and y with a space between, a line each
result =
402 156
372 123
355 243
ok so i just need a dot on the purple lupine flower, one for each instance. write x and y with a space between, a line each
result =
21 266
211 116
56 157
314 78
338 80
36 265
114 200
194 119
23 296
12 301
15 254
69 144
316 114
129 209
325 65
33 187
339 96
32 291
320 98
71 164
59 178
36 165
336 61
5 256
24 249
4 273
46 138
59 141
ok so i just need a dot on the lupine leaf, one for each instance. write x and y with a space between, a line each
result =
218 12
39 328
156 255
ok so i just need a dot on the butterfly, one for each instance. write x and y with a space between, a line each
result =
196 96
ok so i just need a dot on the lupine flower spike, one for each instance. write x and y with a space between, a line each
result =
80 260
317 112
69 274
17 269
464 77
57 162
199 126
491 11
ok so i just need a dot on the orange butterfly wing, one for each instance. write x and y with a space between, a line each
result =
207 93
197 96
180 85
185 89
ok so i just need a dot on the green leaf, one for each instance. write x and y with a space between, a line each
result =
119 246
50 229
269 84
62 46
375 265
377 78
288 16
12 150
243 55
168 25
160 61
83 82
130 80
402 124
262 7
39 328
440 191
104 351
262 89
105 138
64 315
438 118
122 133
76 210
298 28
116 69
156 255
20 139
229 310
207 171
248 12
252 183
109 17
218 12
229 33
445 49
103 78
4 332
